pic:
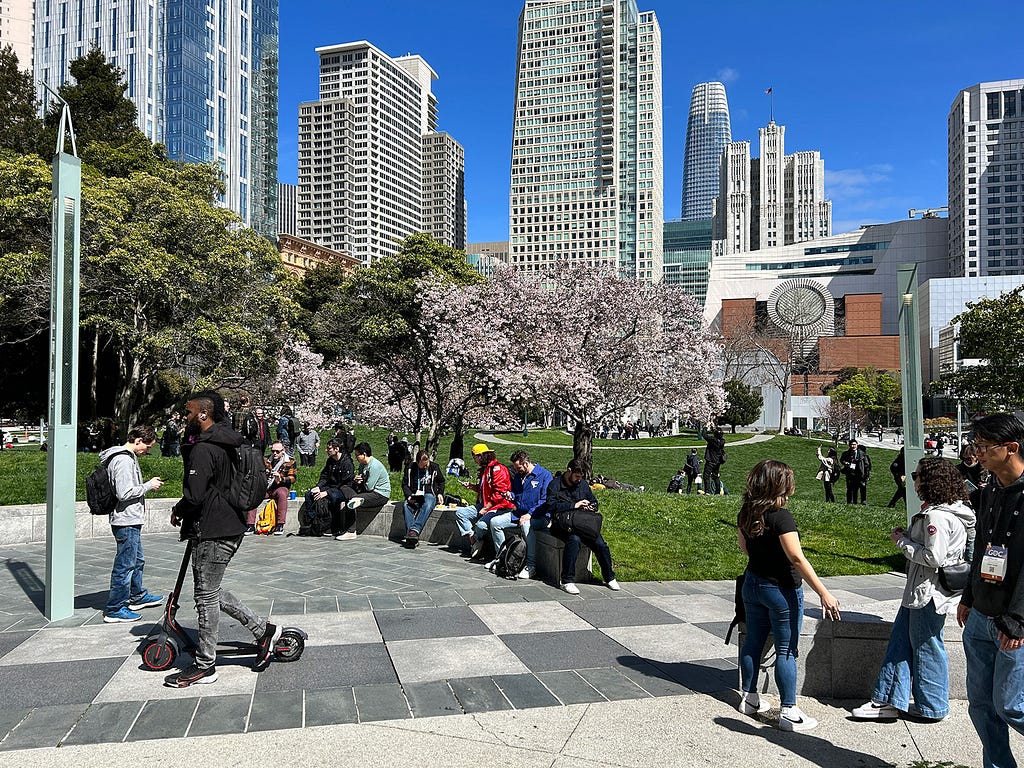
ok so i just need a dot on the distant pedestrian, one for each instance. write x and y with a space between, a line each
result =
692 469
307 442
828 472
714 458
898 469
856 468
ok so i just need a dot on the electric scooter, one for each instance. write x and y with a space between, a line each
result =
160 652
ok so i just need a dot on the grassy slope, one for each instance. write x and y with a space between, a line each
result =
652 535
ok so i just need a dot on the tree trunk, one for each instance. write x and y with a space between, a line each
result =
456 450
95 374
583 444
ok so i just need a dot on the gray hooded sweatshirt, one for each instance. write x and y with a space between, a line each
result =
126 478
938 536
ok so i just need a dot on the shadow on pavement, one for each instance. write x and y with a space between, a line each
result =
30 584
805 745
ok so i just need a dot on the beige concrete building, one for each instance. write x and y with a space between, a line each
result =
300 256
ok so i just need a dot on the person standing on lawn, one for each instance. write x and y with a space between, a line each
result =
127 595
915 662
773 597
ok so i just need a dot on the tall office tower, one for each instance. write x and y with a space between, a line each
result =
776 199
361 152
16 29
707 133
287 208
587 175
202 75
444 190
986 125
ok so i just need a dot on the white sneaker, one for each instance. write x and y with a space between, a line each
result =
346 536
613 585
793 719
571 588
875 711
490 566
356 503
527 573
756 707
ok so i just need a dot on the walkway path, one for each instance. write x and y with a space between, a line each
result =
524 674
626 444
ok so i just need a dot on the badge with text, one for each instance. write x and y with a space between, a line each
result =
993 564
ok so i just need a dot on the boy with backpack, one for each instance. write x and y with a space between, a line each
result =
127 494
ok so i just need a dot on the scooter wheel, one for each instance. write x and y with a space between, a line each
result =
158 655
290 645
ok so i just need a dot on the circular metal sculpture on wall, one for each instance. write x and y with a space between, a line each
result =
803 309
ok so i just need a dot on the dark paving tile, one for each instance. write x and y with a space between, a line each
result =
878 593
274 710
385 602
651 678
613 684
569 687
707 676
445 597
525 691
330 706
476 596
719 629
332 666
627 612
10 718
505 594
381 702
11 640
104 723
479 694
431 699
43 727
220 715
353 603
288 606
421 623
164 719
548 651
60 682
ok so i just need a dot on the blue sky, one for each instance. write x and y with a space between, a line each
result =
869 84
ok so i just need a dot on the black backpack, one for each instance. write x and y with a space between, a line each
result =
99 491
511 558
315 519
740 616
248 478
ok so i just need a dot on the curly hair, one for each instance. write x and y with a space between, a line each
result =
939 481
769 485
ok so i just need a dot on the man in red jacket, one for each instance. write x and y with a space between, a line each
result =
494 497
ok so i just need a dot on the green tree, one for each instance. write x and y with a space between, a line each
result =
745 403
876 393
20 126
100 111
991 331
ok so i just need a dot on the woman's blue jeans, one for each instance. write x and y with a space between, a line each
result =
915 663
780 611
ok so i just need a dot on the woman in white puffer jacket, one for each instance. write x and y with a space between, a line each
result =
915 662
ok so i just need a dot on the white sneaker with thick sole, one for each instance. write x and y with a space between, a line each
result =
613 585
571 588
756 707
491 565
875 711
794 719
346 536
356 503
527 573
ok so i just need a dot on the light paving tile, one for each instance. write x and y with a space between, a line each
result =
79 643
418 661
671 642
546 616
132 681
334 628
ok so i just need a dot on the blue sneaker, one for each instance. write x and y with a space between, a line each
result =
124 614
146 601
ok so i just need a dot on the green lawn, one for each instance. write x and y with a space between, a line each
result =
652 535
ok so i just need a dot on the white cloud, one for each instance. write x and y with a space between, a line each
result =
728 75
853 184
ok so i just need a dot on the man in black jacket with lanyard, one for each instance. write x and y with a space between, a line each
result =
215 528
991 610
567 491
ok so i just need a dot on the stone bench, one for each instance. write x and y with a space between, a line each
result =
840 660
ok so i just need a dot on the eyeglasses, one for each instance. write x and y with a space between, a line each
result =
982 448
913 475
273 451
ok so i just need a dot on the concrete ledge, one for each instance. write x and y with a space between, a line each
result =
840 660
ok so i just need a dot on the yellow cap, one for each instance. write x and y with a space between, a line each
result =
480 448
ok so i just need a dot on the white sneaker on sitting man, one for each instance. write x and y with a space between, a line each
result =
875 710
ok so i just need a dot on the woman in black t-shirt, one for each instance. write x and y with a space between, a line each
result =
772 594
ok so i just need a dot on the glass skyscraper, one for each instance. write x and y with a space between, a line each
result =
707 133
202 75
587 174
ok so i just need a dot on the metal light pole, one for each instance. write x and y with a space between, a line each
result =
61 461
910 356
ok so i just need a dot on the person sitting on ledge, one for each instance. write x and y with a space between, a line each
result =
372 486
423 486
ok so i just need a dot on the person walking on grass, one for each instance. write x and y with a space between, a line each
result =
828 472
127 595
772 593
915 662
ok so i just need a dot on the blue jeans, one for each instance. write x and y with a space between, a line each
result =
464 517
416 517
498 525
126 575
778 610
995 690
915 662
573 543
210 560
